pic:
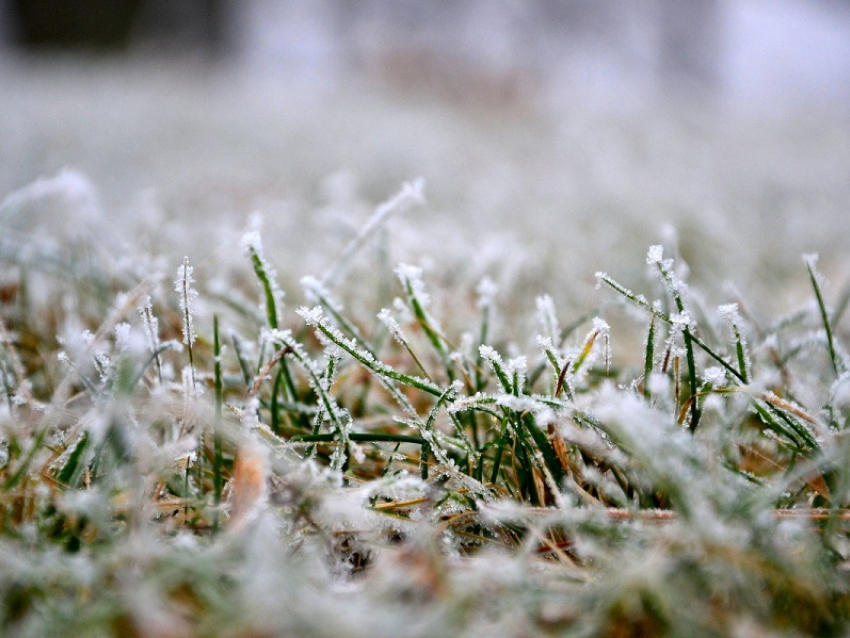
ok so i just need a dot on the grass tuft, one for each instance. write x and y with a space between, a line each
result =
310 475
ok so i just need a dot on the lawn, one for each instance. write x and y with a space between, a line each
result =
345 362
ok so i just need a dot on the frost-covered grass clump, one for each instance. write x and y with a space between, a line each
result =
178 460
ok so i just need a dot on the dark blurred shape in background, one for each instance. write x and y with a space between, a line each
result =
72 23
490 50
112 25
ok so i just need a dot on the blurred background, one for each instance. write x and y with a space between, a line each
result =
568 135
734 50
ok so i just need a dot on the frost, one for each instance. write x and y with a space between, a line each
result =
601 326
317 292
183 286
191 389
411 277
150 323
730 313
544 343
251 242
683 321
385 317
489 354
715 375
312 316
253 247
547 318
123 336
841 391
658 383
655 255
517 365
487 291
600 278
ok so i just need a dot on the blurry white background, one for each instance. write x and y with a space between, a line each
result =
574 133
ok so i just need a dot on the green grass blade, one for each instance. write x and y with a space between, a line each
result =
827 326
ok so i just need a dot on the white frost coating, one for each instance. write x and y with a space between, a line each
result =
655 255
517 365
715 375
467 402
406 271
600 325
547 318
841 391
658 383
318 293
604 330
487 291
386 318
150 323
315 290
276 336
183 286
600 278
248 419
190 387
811 260
729 313
682 320
312 316
545 344
251 242
252 245
123 337
519 403
489 354
411 194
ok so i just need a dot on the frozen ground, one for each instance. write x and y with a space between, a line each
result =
543 194
295 482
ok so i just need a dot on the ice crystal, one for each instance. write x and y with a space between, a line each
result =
183 286
489 354
411 279
546 317
312 316
150 323
730 314
715 375
655 255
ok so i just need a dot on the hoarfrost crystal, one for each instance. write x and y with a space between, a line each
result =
183 286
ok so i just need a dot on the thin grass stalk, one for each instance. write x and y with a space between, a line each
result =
316 382
649 359
218 481
373 364
673 288
183 286
827 326
641 302
151 324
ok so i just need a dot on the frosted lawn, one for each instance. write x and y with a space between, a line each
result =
191 456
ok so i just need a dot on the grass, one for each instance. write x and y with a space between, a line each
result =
180 462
